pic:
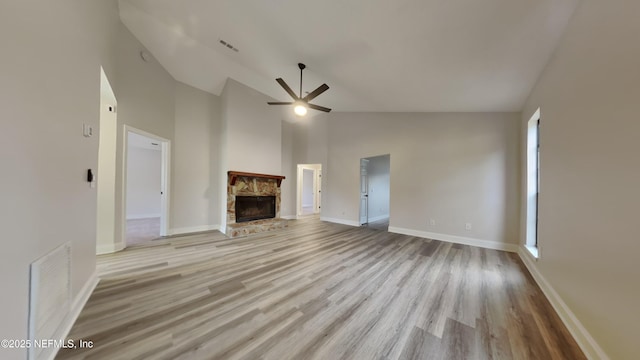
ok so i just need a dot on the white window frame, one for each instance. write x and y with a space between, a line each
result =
533 184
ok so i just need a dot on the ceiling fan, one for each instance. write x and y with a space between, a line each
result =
302 103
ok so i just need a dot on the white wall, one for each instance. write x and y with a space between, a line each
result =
50 76
454 168
378 176
289 170
589 195
195 195
143 183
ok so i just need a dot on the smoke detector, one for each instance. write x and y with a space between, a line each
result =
145 56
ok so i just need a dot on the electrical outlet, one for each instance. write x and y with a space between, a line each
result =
467 226
432 222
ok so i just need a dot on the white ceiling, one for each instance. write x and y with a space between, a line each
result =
376 55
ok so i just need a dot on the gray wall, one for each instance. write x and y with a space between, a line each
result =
195 170
289 170
51 86
50 76
588 211
454 168
146 101
150 99
253 130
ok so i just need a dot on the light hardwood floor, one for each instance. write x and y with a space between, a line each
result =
382 225
142 230
317 291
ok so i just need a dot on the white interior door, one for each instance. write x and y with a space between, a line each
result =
318 183
364 192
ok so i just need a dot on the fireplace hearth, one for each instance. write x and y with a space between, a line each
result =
250 208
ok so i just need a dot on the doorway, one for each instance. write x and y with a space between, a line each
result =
145 186
375 191
309 194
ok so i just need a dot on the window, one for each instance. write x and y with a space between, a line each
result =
533 182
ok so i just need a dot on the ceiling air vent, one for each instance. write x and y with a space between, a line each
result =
228 46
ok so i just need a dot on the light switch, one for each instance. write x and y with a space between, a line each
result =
87 130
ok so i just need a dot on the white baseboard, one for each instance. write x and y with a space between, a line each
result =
456 239
379 218
109 248
142 216
586 342
76 307
340 221
192 229
289 217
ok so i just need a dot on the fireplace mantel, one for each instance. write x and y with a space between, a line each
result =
233 175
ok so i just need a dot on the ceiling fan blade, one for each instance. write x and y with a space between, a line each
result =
317 107
279 103
322 88
287 88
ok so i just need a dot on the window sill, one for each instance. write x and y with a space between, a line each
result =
533 250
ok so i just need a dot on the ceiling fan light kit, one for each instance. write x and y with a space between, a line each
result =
300 110
302 103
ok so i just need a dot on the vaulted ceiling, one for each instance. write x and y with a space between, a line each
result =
376 55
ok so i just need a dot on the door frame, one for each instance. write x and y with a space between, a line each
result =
165 187
364 193
317 188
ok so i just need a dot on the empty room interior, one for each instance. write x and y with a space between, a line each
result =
413 179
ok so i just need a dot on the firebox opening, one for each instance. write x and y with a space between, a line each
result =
250 208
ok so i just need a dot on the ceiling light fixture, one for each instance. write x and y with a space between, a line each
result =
300 110
301 104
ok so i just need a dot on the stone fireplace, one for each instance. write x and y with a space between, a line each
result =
253 203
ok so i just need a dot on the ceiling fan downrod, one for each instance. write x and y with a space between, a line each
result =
301 66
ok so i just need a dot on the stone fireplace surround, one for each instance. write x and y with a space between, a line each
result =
252 184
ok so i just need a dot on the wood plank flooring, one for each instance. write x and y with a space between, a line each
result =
142 230
317 291
382 225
